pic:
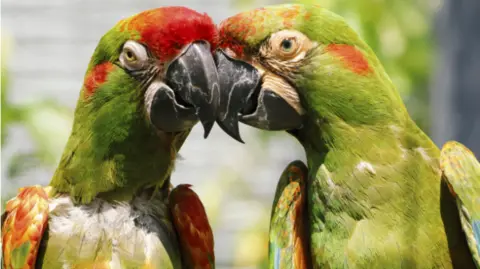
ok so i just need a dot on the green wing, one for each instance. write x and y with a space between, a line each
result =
287 238
461 170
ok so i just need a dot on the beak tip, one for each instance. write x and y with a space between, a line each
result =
238 138
207 127
232 131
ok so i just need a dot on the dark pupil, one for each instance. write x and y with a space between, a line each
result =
287 44
129 54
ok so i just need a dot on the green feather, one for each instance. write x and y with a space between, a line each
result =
462 172
19 255
287 237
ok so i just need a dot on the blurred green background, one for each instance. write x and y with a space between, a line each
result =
42 70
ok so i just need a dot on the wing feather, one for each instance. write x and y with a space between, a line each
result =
461 170
26 218
193 228
287 236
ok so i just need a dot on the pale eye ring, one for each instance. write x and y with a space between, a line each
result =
288 45
134 56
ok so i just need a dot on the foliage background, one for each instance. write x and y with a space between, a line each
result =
46 46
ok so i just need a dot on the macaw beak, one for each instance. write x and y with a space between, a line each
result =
245 97
189 92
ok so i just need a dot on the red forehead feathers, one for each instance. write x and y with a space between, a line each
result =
248 28
167 30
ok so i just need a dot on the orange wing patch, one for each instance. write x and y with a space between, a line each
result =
26 220
193 228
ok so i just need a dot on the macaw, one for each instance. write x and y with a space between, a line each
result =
378 192
110 204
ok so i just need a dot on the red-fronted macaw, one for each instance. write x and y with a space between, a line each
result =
376 189
109 203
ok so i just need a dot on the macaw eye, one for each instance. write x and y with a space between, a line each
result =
134 56
288 45
130 55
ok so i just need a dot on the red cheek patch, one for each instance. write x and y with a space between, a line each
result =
352 57
96 77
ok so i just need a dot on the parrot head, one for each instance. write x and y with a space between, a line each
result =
162 60
150 79
300 62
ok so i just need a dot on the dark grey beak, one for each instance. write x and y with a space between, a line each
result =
191 92
244 99
238 81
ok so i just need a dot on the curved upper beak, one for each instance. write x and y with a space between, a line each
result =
247 97
189 92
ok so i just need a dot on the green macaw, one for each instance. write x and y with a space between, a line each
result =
110 202
375 197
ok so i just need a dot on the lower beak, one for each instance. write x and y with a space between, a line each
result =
244 98
191 91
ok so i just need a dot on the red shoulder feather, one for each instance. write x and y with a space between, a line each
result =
22 230
193 228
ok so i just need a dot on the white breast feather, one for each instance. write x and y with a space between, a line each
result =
86 229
